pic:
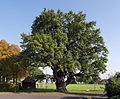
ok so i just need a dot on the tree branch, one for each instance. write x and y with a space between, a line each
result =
53 67
78 74
71 76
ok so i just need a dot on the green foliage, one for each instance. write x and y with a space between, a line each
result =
37 75
73 81
112 86
10 66
66 43
115 97
8 88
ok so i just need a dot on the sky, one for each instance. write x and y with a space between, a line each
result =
17 16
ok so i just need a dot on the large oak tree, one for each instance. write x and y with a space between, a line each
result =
68 44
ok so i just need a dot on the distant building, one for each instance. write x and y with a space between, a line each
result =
28 83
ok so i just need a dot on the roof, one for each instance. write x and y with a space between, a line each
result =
28 79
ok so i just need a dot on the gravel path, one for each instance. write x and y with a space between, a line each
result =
49 96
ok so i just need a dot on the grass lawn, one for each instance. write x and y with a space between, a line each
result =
85 88
72 88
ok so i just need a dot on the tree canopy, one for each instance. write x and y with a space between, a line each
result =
9 68
67 43
37 74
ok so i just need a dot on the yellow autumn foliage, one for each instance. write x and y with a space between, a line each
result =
8 69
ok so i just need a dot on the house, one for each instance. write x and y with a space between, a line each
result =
28 83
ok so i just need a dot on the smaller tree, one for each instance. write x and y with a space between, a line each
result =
37 74
52 79
10 64
73 81
112 87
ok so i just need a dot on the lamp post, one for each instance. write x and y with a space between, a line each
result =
46 77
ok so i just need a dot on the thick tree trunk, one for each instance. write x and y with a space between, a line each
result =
60 86
60 79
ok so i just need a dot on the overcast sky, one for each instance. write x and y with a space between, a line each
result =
17 16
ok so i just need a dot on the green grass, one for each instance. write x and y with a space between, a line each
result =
82 88
72 88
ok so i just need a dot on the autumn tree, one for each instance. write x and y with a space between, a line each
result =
68 44
9 68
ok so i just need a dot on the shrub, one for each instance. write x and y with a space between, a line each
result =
112 87
115 97
14 87
8 87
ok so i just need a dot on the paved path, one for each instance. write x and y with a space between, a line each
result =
49 96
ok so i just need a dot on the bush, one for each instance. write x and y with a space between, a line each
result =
115 97
112 87
8 87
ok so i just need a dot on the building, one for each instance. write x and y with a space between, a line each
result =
28 83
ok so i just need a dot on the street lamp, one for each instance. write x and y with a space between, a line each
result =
46 77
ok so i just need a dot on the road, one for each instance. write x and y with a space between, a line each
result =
49 96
